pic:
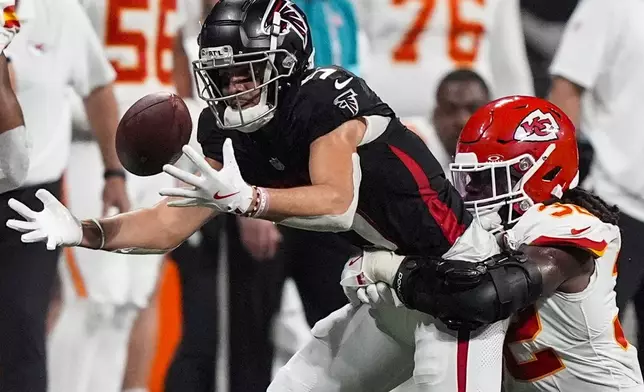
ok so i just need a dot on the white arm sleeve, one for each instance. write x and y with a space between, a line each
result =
14 158
510 67
91 69
586 43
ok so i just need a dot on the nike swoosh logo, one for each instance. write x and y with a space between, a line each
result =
578 231
217 196
340 86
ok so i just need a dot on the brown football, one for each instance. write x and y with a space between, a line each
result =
152 133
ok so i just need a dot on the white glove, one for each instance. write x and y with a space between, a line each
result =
54 225
224 190
365 279
353 279
491 221
379 294
9 25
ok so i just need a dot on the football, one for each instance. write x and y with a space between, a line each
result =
152 132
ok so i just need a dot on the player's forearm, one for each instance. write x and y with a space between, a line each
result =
335 173
159 228
314 200
103 116
567 96
136 229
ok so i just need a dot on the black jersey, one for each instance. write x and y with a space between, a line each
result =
405 203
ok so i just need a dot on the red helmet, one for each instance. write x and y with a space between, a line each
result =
515 151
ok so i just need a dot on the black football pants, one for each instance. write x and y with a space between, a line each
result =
27 273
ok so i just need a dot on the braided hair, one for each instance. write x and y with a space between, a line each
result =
594 204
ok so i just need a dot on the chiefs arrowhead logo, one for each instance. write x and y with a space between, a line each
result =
537 127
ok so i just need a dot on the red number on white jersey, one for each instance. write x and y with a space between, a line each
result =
115 36
459 29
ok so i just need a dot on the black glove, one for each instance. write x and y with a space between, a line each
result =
464 294
426 280
454 310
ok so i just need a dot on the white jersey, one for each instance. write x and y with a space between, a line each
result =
571 341
56 49
411 45
601 51
138 41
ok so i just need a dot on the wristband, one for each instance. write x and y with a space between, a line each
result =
114 173
100 228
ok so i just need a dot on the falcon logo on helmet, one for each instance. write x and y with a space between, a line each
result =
537 127
291 19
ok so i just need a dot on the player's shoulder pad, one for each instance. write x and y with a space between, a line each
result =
331 78
334 86
563 225
206 125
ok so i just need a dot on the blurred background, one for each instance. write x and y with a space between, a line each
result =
227 308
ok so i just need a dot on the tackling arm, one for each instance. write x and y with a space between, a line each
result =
475 294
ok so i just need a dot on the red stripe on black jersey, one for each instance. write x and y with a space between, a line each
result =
439 210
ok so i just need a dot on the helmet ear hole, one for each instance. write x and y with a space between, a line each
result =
552 174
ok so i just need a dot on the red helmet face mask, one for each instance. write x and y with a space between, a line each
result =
515 152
